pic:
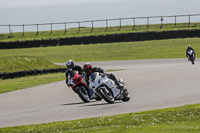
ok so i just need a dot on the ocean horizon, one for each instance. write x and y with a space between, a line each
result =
91 10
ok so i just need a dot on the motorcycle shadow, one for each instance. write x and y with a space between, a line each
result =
75 103
91 103
105 103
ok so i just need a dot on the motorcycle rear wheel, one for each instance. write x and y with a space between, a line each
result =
83 94
107 95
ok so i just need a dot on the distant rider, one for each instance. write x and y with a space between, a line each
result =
89 70
189 48
70 66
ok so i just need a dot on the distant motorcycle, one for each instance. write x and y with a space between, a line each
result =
107 88
79 86
191 55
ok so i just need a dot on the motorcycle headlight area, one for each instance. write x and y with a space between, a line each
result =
71 82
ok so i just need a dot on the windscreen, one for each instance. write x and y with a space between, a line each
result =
72 73
93 76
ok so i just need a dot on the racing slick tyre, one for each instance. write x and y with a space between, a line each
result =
83 94
106 95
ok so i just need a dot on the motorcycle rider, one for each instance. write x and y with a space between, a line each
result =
189 48
70 66
89 70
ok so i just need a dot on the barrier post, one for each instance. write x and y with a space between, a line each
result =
133 23
92 26
175 22
37 29
106 25
65 27
189 21
23 29
9 29
161 19
79 27
51 28
120 23
147 22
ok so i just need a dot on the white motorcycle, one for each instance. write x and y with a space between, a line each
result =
107 88
191 56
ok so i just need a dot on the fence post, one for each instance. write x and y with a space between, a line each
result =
79 27
133 23
37 29
189 21
106 25
23 29
161 19
120 23
175 22
51 28
9 30
65 27
147 22
92 26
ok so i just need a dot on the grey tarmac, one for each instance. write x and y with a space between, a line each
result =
153 84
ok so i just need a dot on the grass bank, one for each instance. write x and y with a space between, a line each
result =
29 81
172 120
155 49
86 31
24 63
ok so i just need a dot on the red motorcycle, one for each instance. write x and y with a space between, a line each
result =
79 86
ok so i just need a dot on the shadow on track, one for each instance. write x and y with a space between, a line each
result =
90 103
99 104
76 103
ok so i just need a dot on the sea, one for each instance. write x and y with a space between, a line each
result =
94 13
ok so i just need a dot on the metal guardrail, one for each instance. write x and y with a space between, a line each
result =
79 23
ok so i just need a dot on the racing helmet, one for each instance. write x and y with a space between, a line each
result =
87 68
70 64
189 46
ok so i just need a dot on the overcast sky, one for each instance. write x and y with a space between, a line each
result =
45 3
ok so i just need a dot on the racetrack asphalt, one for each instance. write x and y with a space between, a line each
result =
152 84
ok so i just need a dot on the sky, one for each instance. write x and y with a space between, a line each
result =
46 3
55 11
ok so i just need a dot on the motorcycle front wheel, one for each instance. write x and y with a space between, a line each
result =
83 94
106 95
126 96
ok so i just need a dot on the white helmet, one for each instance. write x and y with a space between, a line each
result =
70 64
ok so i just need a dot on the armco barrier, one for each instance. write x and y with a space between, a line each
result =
30 73
126 37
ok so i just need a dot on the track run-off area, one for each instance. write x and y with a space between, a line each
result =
152 84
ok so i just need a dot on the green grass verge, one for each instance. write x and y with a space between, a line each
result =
155 49
24 63
172 120
29 81
84 31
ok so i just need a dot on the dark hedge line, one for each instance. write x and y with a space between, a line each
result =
126 37
30 73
